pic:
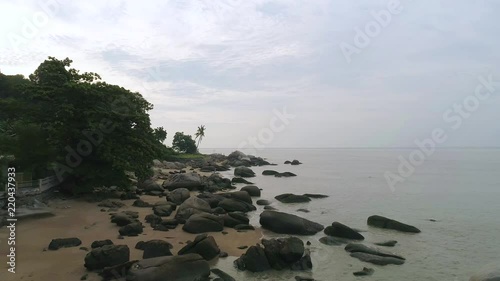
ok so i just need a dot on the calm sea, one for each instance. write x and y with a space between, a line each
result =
459 188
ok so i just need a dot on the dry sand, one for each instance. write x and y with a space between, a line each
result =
76 218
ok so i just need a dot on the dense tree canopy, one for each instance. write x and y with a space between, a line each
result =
184 143
86 130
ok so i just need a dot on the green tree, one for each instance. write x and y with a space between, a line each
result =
160 134
200 133
184 143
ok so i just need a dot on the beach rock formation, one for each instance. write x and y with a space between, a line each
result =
222 275
58 243
343 231
252 190
233 219
192 205
292 198
106 256
365 272
383 222
235 205
332 241
240 180
190 181
284 223
165 209
132 229
203 245
373 255
171 268
244 172
100 243
390 243
200 223
155 248
178 196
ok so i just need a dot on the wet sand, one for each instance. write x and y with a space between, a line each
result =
76 218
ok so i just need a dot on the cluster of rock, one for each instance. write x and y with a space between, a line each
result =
293 162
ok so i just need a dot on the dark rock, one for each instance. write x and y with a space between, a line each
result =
305 263
240 180
375 259
239 195
244 172
58 243
190 181
295 162
170 268
234 218
262 202
156 248
316 196
303 210
285 175
150 185
100 243
390 243
270 208
193 205
117 271
292 198
287 162
340 230
254 260
284 223
244 227
140 203
106 256
224 276
128 196
223 255
111 204
164 210
203 245
300 278
242 247
122 219
132 229
234 205
201 223
179 195
212 199
332 241
269 172
153 219
252 190
365 272
383 222
373 255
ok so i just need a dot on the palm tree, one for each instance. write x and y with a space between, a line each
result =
200 133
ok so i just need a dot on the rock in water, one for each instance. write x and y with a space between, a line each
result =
390 243
203 245
383 222
201 223
292 198
490 272
58 243
365 272
332 241
106 256
284 223
253 260
373 255
340 230
188 267
252 190
244 172
240 180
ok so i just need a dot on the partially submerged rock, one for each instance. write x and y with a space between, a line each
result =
200 223
373 255
383 222
292 198
244 172
58 243
203 245
284 223
343 231
173 268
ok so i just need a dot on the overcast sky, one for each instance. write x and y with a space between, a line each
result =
232 64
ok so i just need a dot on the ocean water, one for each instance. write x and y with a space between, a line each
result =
460 188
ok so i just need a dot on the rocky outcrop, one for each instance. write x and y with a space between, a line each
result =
292 198
100 243
106 256
203 245
233 219
172 268
373 255
165 209
244 172
190 181
278 254
58 243
193 205
343 231
156 248
383 222
200 223
252 190
179 195
240 180
235 205
132 229
284 223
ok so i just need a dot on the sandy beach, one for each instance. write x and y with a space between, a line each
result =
86 221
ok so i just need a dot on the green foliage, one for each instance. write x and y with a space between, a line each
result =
200 133
89 131
184 143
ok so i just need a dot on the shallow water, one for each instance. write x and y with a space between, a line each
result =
460 188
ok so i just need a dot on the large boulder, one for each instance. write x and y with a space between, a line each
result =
253 260
383 222
340 230
141 204
100 243
234 205
284 223
193 205
106 256
244 172
188 267
233 219
156 248
150 185
123 218
190 181
252 190
490 272
240 180
212 199
58 243
292 198
164 210
179 195
133 229
236 155
239 195
200 223
269 172
203 245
